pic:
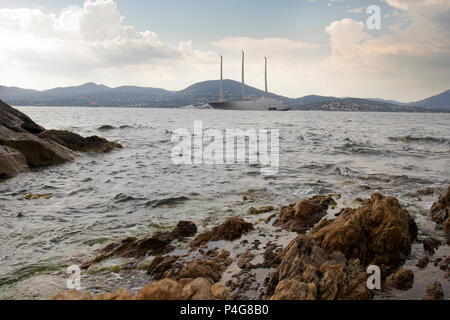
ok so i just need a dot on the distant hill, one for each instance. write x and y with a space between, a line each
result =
440 101
91 94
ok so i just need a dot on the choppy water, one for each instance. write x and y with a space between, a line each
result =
138 190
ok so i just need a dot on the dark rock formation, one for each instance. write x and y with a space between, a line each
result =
440 209
423 262
16 121
317 273
380 232
400 280
231 229
431 244
11 161
134 247
76 142
40 147
434 292
303 215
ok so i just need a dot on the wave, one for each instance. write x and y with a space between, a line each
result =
106 127
420 139
166 201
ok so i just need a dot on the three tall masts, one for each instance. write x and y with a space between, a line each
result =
243 82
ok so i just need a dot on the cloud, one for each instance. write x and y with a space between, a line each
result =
81 41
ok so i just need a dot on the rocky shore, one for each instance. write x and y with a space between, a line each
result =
318 248
24 144
298 253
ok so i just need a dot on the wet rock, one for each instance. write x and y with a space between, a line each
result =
446 227
73 295
434 292
425 192
271 256
439 211
431 244
423 262
16 121
11 161
202 269
334 277
304 214
76 142
231 229
294 290
134 247
444 264
380 232
160 267
253 210
37 152
120 294
400 280
165 289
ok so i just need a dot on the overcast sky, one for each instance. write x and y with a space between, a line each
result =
314 46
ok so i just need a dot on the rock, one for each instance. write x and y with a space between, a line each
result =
16 121
423 262
198 289
121 294
444 264
11 161
430 245
37 152
76 142
434 292
446 227
134 247
165 289
379 232
231 229
439 211
333 276
202 269
219 292
160 266
294 290
303 215
73 295
400 280
253 210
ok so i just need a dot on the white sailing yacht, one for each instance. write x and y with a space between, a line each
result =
265 103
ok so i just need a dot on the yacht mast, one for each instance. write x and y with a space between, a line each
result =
265 73
221 79
243 90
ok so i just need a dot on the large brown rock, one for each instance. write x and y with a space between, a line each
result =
76 142
401 280
11 161
439 211
331 274
295 290
73 295
16 121
37 152
434 292
231 229
304 214
202 269
165 289
379 232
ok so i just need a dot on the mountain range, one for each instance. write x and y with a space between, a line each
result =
91 94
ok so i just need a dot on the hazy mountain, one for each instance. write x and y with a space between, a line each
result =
440 101
91 94
87 88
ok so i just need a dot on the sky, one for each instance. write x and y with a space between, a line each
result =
313 46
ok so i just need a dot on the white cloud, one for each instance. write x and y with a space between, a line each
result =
83 41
